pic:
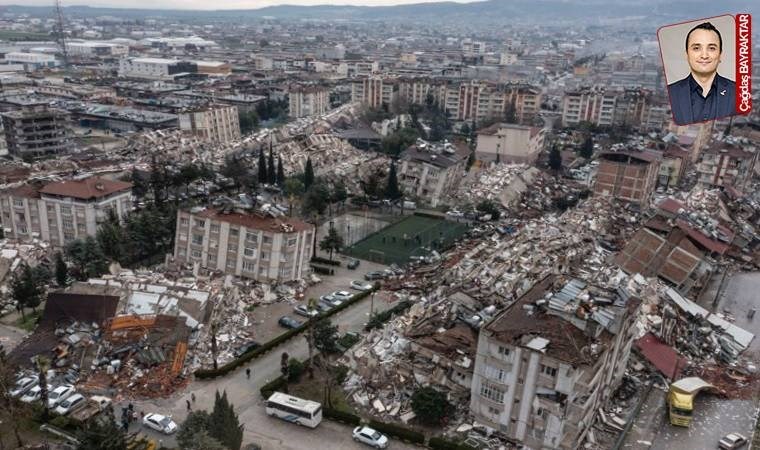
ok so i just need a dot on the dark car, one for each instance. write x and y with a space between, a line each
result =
245 348
369 276
289 322
353 264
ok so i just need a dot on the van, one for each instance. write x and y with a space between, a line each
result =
409 205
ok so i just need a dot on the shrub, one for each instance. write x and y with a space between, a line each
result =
63 423
348 340
341 372
320 260
273 386
295 369
341 416
323 270
379 319
397 431
439 443
430 405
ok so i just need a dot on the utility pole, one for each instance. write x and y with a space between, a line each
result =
61 34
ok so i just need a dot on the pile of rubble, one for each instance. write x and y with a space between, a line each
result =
14 254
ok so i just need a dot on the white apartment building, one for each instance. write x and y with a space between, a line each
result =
550 361
510 144
95 48
244 244
308 101
214 123
64 211
429 171
154 68
470 47
606 107
374 91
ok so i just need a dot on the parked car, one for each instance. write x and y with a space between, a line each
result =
454 214
330 300
353 264
94 406
361 285
289 322
34 394
245 348
342 295
371 437
23 386
324 307
375 275
71 403
304 310
158 422
60 394
732 441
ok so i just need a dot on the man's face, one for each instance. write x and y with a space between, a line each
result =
703 52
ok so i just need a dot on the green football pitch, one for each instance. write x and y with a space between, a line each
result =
412 236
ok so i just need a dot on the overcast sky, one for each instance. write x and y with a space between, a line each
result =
216 4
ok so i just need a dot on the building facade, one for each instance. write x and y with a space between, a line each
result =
429 171
608 107
308 101
725 163
64 211
510 144
244 244
37 131
629 176
545 365
214 123
31 61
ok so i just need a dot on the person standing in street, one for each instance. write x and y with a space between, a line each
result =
189 408
248 372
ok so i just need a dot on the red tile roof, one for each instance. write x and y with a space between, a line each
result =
661 355
255 221
87 189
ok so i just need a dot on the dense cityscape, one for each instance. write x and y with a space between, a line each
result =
442 225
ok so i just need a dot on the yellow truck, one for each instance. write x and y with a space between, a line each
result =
681 397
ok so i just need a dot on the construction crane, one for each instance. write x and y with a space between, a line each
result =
61 34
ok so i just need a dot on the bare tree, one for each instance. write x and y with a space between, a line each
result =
43 364
9 404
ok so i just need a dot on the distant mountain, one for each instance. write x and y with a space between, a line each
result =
483 11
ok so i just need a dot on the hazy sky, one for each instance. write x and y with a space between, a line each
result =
216 4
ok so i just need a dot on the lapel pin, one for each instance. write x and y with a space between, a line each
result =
723 92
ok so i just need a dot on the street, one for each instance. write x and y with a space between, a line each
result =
268 432
10 336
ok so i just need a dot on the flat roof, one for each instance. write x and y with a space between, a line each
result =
255 221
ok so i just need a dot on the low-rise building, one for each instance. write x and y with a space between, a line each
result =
96 49
548 362
244 244
64 211
214 123
429 171
509 143
308 101
629 176
31 61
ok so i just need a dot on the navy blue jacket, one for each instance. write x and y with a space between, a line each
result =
680 100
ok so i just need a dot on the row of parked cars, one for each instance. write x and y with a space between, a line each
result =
63 399
326 303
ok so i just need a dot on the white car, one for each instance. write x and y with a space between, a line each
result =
59 394
455 214
361 285
34 394
732 441
371 437
23 386
164 424
342 295
71 403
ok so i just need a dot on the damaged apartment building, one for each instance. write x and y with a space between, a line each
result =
548 362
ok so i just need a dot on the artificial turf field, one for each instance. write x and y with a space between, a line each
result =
414 235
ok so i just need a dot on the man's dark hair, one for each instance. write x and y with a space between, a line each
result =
706 26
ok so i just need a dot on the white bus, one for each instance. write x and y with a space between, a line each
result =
294 409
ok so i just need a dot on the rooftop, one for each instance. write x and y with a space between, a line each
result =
87 189
255 221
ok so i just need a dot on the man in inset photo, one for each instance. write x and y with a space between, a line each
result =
704 94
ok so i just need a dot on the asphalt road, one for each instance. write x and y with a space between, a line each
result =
268 432
10 336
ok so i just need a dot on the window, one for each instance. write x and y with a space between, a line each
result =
184 221
493 411
66 210
542 413
68 224
200 223
495 373
251 237
264 255
198 239
292 242
18 202
195 253
215 227
262 271
266 240
249 266
551 371
182 237
492 392
503 351
249 252
234 232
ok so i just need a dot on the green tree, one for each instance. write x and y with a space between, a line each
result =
372 185
235 170
280 172
430 405
271 170
470 160
263 177
111 238
339 193
555 159
196 422
587 148
61 271
293 188
392 190
87 257
102 435
316 199
465 129
25 290
510 112
158 180
325 336
202 440
248 122
332 242
308 174
225 425
489 207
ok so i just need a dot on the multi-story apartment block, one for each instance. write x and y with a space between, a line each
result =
64 211
37 131
509 143
244 244
606 107
167 69
358 68
308 101
375 91
215 123
629 176
470 47
429 171
727 163
549 362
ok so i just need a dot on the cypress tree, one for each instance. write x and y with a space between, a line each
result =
308 174
391 188
271 170
280 172
61 271
555 159
224 424
263 178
